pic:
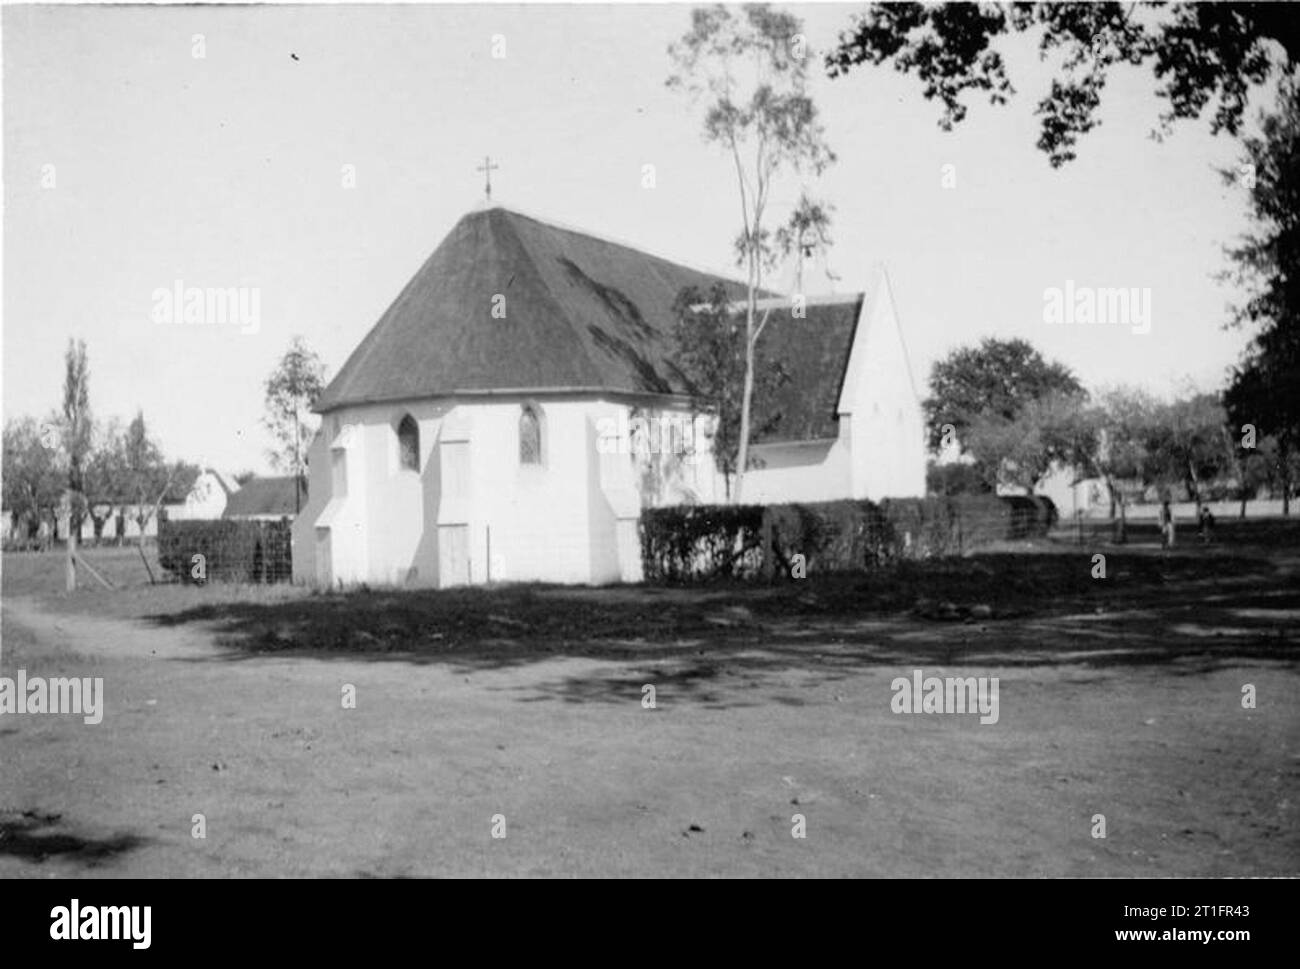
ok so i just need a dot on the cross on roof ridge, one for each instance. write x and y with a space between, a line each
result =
487 168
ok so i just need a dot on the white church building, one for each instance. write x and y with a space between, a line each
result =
517 406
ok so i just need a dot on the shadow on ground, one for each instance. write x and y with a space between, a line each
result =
1192 609
38 837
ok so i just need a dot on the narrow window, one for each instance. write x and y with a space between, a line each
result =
339 472
408 442
530 437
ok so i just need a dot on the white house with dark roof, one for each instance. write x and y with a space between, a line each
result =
493 425
267 499
207 499
851 424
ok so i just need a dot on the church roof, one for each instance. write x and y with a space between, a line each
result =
814 353
581 313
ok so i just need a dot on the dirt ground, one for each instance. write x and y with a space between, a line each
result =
1122 700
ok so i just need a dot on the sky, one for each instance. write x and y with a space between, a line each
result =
130 164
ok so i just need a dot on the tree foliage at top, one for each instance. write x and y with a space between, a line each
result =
1264 390
1198 53
805 233
1019 450
1121 419
993 381
1187 444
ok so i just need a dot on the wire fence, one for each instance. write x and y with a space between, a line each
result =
226 550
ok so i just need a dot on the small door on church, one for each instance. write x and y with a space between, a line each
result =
453 555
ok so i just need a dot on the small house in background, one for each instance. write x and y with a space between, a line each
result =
267 499
1085 497
207 499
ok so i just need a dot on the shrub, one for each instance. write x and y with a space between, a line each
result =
955 478
705 542
233 550
833 536
700 541
919 528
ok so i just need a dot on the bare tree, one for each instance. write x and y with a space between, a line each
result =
104 474
77 435
291 390
749 67
148 479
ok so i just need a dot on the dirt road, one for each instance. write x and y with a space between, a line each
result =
589 781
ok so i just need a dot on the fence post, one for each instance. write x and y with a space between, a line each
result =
70 560
70 566
769 566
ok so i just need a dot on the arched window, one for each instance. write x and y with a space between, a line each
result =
408 443
530 436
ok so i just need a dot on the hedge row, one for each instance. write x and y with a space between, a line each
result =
233 550
703 542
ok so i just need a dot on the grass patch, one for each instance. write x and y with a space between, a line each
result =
1045 578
